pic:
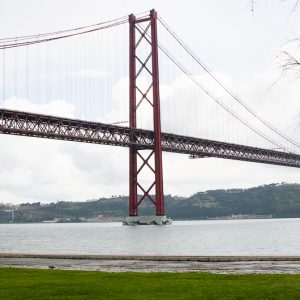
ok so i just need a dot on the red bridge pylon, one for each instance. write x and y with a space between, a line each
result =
142 36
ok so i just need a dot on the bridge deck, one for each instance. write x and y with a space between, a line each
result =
51 127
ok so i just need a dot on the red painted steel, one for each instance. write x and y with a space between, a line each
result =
65 129
147 34
133 197
156 118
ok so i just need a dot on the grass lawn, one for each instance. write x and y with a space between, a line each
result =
55 284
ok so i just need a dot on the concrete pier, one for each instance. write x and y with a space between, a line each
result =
147 220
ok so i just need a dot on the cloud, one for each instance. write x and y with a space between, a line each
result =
42 170
54 107
48 170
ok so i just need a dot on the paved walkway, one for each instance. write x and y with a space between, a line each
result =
283 265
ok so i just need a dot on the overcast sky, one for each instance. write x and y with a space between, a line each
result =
241 46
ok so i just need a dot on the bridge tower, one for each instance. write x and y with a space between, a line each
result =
142 36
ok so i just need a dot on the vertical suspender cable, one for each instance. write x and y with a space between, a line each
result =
3 80
15 72
27 73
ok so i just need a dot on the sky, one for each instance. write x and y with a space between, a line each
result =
239 45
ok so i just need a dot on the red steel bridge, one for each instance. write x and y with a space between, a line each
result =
143 144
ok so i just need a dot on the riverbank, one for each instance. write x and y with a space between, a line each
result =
113 263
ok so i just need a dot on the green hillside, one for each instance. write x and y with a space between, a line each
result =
278 200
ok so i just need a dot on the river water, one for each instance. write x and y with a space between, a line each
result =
213 237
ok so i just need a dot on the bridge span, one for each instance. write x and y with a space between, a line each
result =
59 128
144 98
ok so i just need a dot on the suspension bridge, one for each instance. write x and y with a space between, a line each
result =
70 65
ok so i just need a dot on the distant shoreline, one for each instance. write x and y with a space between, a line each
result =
174 220
213 258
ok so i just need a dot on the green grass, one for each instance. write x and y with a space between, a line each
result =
55 284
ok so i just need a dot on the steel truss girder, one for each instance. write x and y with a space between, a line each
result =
50 127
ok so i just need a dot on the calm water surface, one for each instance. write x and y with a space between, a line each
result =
216 237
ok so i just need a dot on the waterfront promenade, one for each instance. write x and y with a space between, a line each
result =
113 263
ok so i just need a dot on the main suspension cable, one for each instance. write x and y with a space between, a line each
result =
214 97
217 100
20 41
37 40
229 91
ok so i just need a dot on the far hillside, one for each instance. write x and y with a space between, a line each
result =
273 200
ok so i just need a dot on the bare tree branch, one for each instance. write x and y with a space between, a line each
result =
296 5
253 3
289 62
